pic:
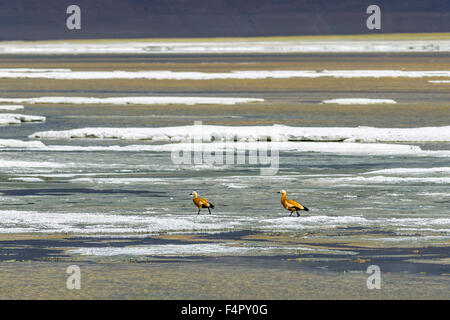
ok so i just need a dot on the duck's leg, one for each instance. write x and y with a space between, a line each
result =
198 211
298 214
290 214
209 210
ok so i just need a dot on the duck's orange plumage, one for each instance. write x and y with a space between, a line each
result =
291 205
201 202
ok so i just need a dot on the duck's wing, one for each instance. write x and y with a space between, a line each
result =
295 205
205 203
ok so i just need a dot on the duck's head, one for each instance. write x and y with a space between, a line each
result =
282 192
194 194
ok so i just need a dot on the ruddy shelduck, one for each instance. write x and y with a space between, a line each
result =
291 205
201 202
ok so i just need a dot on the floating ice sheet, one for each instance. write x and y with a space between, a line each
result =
131 100
63 74
11 107
257 133
13 118
214 47
359 101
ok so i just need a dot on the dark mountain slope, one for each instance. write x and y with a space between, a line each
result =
46 19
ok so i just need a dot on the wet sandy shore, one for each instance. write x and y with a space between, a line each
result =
47 280
35 267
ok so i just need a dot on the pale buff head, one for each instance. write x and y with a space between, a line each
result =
283 192
194 194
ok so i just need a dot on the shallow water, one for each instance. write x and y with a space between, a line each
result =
128 193
117 193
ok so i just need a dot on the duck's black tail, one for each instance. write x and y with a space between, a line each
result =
210 206
305 208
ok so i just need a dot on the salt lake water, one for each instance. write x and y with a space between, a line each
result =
122 187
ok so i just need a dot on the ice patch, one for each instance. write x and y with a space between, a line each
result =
229 47
168 249
11 107
102 223
26 179
12 143
439 81
62 74
326 222
327 147
257 133
348 148
359 101
435 194
413 171
154 223
131 100
308 222
192 250
159 250
411 239
12 118
235 186
125 181
385 180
